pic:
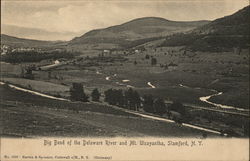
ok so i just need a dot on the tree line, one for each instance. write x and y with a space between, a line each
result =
35 56
129 99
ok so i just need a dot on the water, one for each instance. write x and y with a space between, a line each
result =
152 86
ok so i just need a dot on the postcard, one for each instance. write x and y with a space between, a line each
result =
127 80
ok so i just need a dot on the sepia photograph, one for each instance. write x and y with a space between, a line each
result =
123 69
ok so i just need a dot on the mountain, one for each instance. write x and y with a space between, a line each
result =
20 42
219 35
34 33
138 30
235 24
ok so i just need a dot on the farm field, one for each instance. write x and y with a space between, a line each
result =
194 75
191 75
202 72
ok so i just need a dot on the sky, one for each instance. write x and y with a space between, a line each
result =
63 20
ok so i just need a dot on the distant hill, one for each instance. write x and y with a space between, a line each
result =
135 32
20 42
35 33
219 35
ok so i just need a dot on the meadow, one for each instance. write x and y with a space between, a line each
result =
188 75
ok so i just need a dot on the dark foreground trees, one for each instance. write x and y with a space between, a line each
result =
160 106
77 93
178 107
148 103
95 95
130 99
179 113
110 96
156 105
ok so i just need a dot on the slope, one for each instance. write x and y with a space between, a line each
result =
219 35
135 32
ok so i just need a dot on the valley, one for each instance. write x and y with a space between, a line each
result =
176 82
183 62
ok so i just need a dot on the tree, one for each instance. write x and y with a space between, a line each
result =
137 100
114 97
77 93
153 61
109 96
132 99
178 107
128 95
95 95
160 106
148 103
119 98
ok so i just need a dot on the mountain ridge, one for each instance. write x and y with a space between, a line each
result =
225 32
23 42
219 35
36 33
140 28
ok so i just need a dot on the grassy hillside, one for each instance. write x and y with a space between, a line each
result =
135 32
20 42
219 35
26 115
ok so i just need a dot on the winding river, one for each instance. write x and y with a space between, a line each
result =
151 85
203 98
206 99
